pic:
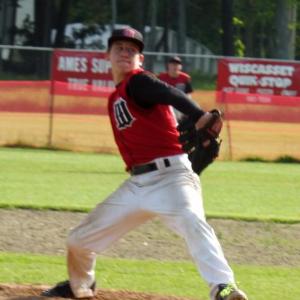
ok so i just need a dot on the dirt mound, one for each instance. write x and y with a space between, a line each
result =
30 292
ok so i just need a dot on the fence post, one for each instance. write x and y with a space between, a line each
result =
223 99
51 102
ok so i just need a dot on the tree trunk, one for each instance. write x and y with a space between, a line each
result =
250 29
167 26
43 20
7 26
286 17
152 36
7 21
227 26
139 15
163 43
181 26
61 23
114 11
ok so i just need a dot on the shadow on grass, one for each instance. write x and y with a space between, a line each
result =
286 159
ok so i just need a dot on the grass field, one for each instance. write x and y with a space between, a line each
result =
77 181
43 179
165 278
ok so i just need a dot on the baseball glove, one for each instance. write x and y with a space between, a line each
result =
202 145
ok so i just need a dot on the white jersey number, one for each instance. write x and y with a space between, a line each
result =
122 114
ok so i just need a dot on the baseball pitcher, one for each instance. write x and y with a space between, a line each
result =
162 181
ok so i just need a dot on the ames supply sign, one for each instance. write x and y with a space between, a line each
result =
81 73
268 78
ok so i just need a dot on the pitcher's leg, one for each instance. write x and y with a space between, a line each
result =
105 224
183 212
203 246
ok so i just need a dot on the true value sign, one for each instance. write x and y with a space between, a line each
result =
81 73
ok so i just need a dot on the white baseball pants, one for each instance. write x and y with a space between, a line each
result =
174 194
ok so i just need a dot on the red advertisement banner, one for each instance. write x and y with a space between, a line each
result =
259 82
81 73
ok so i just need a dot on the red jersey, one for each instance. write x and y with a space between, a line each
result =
182 81
142 134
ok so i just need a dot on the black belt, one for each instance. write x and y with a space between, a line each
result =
141 169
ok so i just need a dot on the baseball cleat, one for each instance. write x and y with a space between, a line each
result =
63 290
230 292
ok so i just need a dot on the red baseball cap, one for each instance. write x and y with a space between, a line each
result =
128 34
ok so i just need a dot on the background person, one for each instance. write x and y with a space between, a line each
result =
161 184
177 78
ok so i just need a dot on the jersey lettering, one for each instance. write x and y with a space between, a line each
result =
122 114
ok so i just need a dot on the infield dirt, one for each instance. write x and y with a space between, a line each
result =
31 292
243 243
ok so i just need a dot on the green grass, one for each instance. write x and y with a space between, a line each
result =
57 179
203 82
168 278
77 181
253 191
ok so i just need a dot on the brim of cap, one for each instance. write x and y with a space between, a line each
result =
122 38
173 61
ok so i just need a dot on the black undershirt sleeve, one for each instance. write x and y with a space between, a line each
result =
147 90
188 88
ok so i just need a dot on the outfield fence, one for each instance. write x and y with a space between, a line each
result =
30 115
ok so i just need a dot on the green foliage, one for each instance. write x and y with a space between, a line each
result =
90 12
26 31
239 48
287 159
254 22
204 23
256 26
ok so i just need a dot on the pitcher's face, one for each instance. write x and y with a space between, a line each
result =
124 57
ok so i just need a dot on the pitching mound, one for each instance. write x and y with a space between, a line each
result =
30 292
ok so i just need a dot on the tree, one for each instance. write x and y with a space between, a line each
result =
181 5
227 27
163 43
286 16
255 29
61 23
43 12
8 10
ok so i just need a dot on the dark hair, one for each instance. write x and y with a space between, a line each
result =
176 60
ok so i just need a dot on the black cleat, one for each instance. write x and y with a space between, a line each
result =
63 290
